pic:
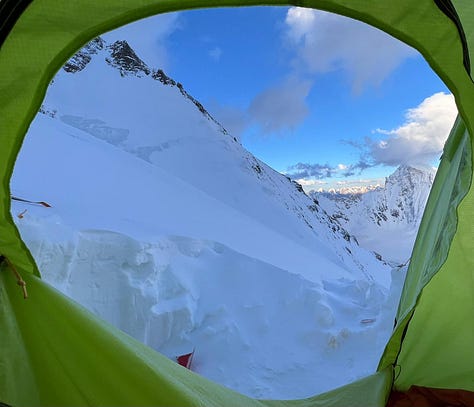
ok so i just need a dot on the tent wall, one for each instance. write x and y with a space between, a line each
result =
436 350
17 382
437 343
47 33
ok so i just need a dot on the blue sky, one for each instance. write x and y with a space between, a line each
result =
328 100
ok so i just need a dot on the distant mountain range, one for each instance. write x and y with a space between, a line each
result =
385 219
353 190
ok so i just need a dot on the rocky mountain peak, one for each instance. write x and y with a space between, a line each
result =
123 57
384 214
406 174
80 59
120 55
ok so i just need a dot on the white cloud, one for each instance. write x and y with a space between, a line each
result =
418 141
274 110
326 42
215 54
311 171
421 138
281 107
148 37
310 182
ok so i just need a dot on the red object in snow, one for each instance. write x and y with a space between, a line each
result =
186 360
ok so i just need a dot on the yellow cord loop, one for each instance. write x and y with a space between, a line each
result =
19 279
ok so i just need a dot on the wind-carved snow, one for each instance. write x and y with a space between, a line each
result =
164 225
257 328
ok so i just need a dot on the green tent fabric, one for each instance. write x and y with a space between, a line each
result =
55 353
77 360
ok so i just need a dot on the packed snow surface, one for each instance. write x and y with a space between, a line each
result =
165 226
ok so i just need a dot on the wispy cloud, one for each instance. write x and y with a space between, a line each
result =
322 42
301 171
281 107
215 54
276 109
316 171
327 42
148 37
357 168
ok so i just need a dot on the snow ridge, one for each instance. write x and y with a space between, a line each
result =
122 57
164 225
382 214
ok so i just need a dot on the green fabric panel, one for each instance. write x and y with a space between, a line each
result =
51 30
78 360
439 221
465 11
372 391
17 382
436 230
438 348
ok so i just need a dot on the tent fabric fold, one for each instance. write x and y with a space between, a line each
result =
63 355
54 353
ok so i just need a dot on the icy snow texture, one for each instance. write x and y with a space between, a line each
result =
164 225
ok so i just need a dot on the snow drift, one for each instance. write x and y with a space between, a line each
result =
164 225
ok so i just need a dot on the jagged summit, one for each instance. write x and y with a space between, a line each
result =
81 58
385 219
412 175
121 56
405 194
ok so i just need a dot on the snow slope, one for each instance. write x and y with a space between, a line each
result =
164 225
384 220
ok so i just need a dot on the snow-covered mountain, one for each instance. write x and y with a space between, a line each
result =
351 190
386 219
164 225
